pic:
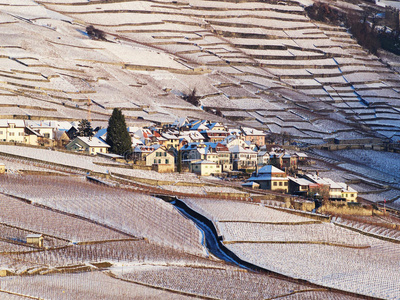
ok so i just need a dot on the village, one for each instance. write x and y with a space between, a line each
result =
198 146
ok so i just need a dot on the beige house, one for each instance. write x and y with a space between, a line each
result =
271 178
12 131
35 239
91 145
348 192
204 167
160 156
31 137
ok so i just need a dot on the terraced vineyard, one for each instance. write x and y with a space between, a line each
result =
262 64
358 261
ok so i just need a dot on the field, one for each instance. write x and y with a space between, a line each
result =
96 235
324 253
152 52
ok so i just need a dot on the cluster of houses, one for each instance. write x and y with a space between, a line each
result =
308 185
198 146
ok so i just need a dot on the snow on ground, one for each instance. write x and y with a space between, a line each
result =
224 210
89 285
364 271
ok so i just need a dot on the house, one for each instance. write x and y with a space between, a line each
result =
263 158
288 162
91 145
271 178
348 192
154 155
61 137
32 137
72 132
35 239
254 136
214 136
243 158
224 157
198 125
12 131
325 188
299 186
160 156
191 136
170 140
216 126
301 158
204 167
46 128
234 140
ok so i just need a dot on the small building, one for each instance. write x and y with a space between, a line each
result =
6 272
35 239
91 145
299 186
204 167
348 192
2 168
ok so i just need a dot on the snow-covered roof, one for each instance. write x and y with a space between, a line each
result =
250 184
346 188
265 177
239 149
169 136
301 154
93 141
146 149
34 235
332 184
269 169
300 181
17 123
252 131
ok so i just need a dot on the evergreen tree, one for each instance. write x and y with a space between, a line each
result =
84 128
117 133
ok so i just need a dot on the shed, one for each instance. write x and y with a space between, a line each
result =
2 168
35 239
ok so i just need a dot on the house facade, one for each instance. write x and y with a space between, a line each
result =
90 145
204 167
271 178
12 131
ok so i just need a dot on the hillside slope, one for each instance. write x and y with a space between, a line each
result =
262 64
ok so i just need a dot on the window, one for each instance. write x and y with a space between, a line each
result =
155 161
352 195
1 132
11 133
280 183
275 183
286 183
159 161
167 161
47 135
